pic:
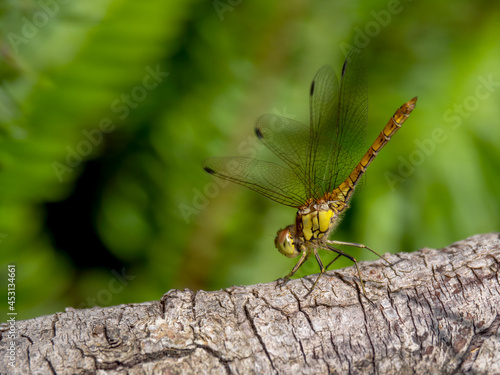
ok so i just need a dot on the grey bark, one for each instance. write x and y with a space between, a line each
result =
438 315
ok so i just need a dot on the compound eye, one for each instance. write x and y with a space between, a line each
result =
284 243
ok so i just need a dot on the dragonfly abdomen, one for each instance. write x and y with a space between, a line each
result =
346 188
389 130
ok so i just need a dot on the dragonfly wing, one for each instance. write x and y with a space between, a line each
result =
338 123
269 179
287 139
353 113
323 138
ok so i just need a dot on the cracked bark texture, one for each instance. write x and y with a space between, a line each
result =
438 315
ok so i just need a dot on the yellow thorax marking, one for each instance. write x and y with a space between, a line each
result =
315 224
324 220
307 226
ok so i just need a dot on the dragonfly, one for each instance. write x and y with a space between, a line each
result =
322 163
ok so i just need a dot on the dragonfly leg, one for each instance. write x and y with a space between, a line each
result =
303 258
361 246
350 257
329 264
323 269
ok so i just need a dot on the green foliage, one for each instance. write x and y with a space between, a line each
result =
107 110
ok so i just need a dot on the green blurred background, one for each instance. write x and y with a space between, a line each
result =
108 109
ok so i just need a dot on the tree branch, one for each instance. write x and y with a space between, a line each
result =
439 314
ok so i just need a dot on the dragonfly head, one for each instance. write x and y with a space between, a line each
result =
284 242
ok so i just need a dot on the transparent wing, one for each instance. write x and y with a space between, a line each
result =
319 157
338 124
323 101
271 180
287 139
353 116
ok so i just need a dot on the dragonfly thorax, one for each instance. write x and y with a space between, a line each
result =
313 223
